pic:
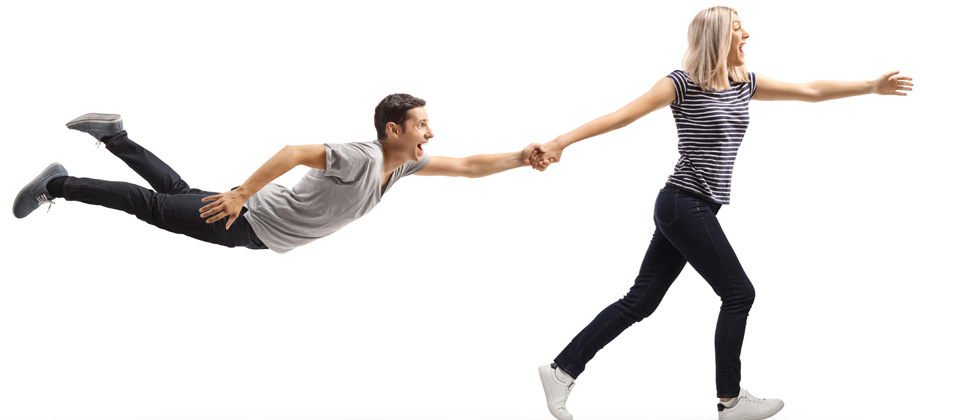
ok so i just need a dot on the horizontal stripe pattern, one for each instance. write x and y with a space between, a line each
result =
710 127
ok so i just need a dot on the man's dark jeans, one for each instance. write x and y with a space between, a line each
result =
172 205
687 232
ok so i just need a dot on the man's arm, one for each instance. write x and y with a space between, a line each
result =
479 165
230 203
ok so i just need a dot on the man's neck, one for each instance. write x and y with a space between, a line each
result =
390 162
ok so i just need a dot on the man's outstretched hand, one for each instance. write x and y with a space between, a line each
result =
225 204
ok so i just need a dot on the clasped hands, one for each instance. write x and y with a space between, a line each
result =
541 155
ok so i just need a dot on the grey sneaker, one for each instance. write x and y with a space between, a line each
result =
35 193
98 125
555 392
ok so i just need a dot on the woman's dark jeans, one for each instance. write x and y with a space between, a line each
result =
172 205
687 232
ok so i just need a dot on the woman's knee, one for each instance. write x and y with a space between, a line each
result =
739 297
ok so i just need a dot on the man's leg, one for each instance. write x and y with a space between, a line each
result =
177 213
108 129
158 174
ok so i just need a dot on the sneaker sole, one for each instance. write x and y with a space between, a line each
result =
95 118
776 411
543 372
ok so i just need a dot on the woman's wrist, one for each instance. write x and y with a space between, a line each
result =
562 141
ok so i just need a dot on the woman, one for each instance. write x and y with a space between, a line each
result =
709 99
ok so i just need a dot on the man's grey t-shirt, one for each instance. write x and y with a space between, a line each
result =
324 200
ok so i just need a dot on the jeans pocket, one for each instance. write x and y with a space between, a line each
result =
665 210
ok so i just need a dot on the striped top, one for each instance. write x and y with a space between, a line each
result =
710 127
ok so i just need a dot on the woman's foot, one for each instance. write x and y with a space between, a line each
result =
748 407
555 392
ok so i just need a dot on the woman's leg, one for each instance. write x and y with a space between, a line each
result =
687 231
661 265
696 233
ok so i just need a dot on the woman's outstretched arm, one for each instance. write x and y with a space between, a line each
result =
659 96
824 90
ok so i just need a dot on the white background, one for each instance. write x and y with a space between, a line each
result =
855 219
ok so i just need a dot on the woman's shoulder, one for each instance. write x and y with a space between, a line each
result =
679 75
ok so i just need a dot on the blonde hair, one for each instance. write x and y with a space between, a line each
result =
709 39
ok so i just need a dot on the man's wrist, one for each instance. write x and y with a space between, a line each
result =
244 191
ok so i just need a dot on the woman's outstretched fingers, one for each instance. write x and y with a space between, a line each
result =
892 84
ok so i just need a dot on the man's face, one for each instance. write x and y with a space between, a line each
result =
416 132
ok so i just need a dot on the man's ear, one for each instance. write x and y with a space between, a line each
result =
392 129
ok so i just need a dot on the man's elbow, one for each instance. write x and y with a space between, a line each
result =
470 169
288 151
812 93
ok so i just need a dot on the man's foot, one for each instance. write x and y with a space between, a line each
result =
35 193
748 407
555 392
98 125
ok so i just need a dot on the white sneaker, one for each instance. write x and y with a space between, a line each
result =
748 407
555 392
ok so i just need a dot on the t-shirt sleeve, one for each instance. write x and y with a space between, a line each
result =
680 85
340 162
752 84
413 167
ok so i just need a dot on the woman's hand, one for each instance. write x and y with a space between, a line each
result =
527 154
892 84
546 154
225 204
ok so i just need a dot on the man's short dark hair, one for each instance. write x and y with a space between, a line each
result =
394 108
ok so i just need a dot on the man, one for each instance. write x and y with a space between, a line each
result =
346 181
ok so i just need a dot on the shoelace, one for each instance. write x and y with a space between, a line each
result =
43 198
753 399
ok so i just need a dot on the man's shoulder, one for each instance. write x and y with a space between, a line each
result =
356 145
369 149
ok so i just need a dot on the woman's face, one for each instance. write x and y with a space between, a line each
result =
736 57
